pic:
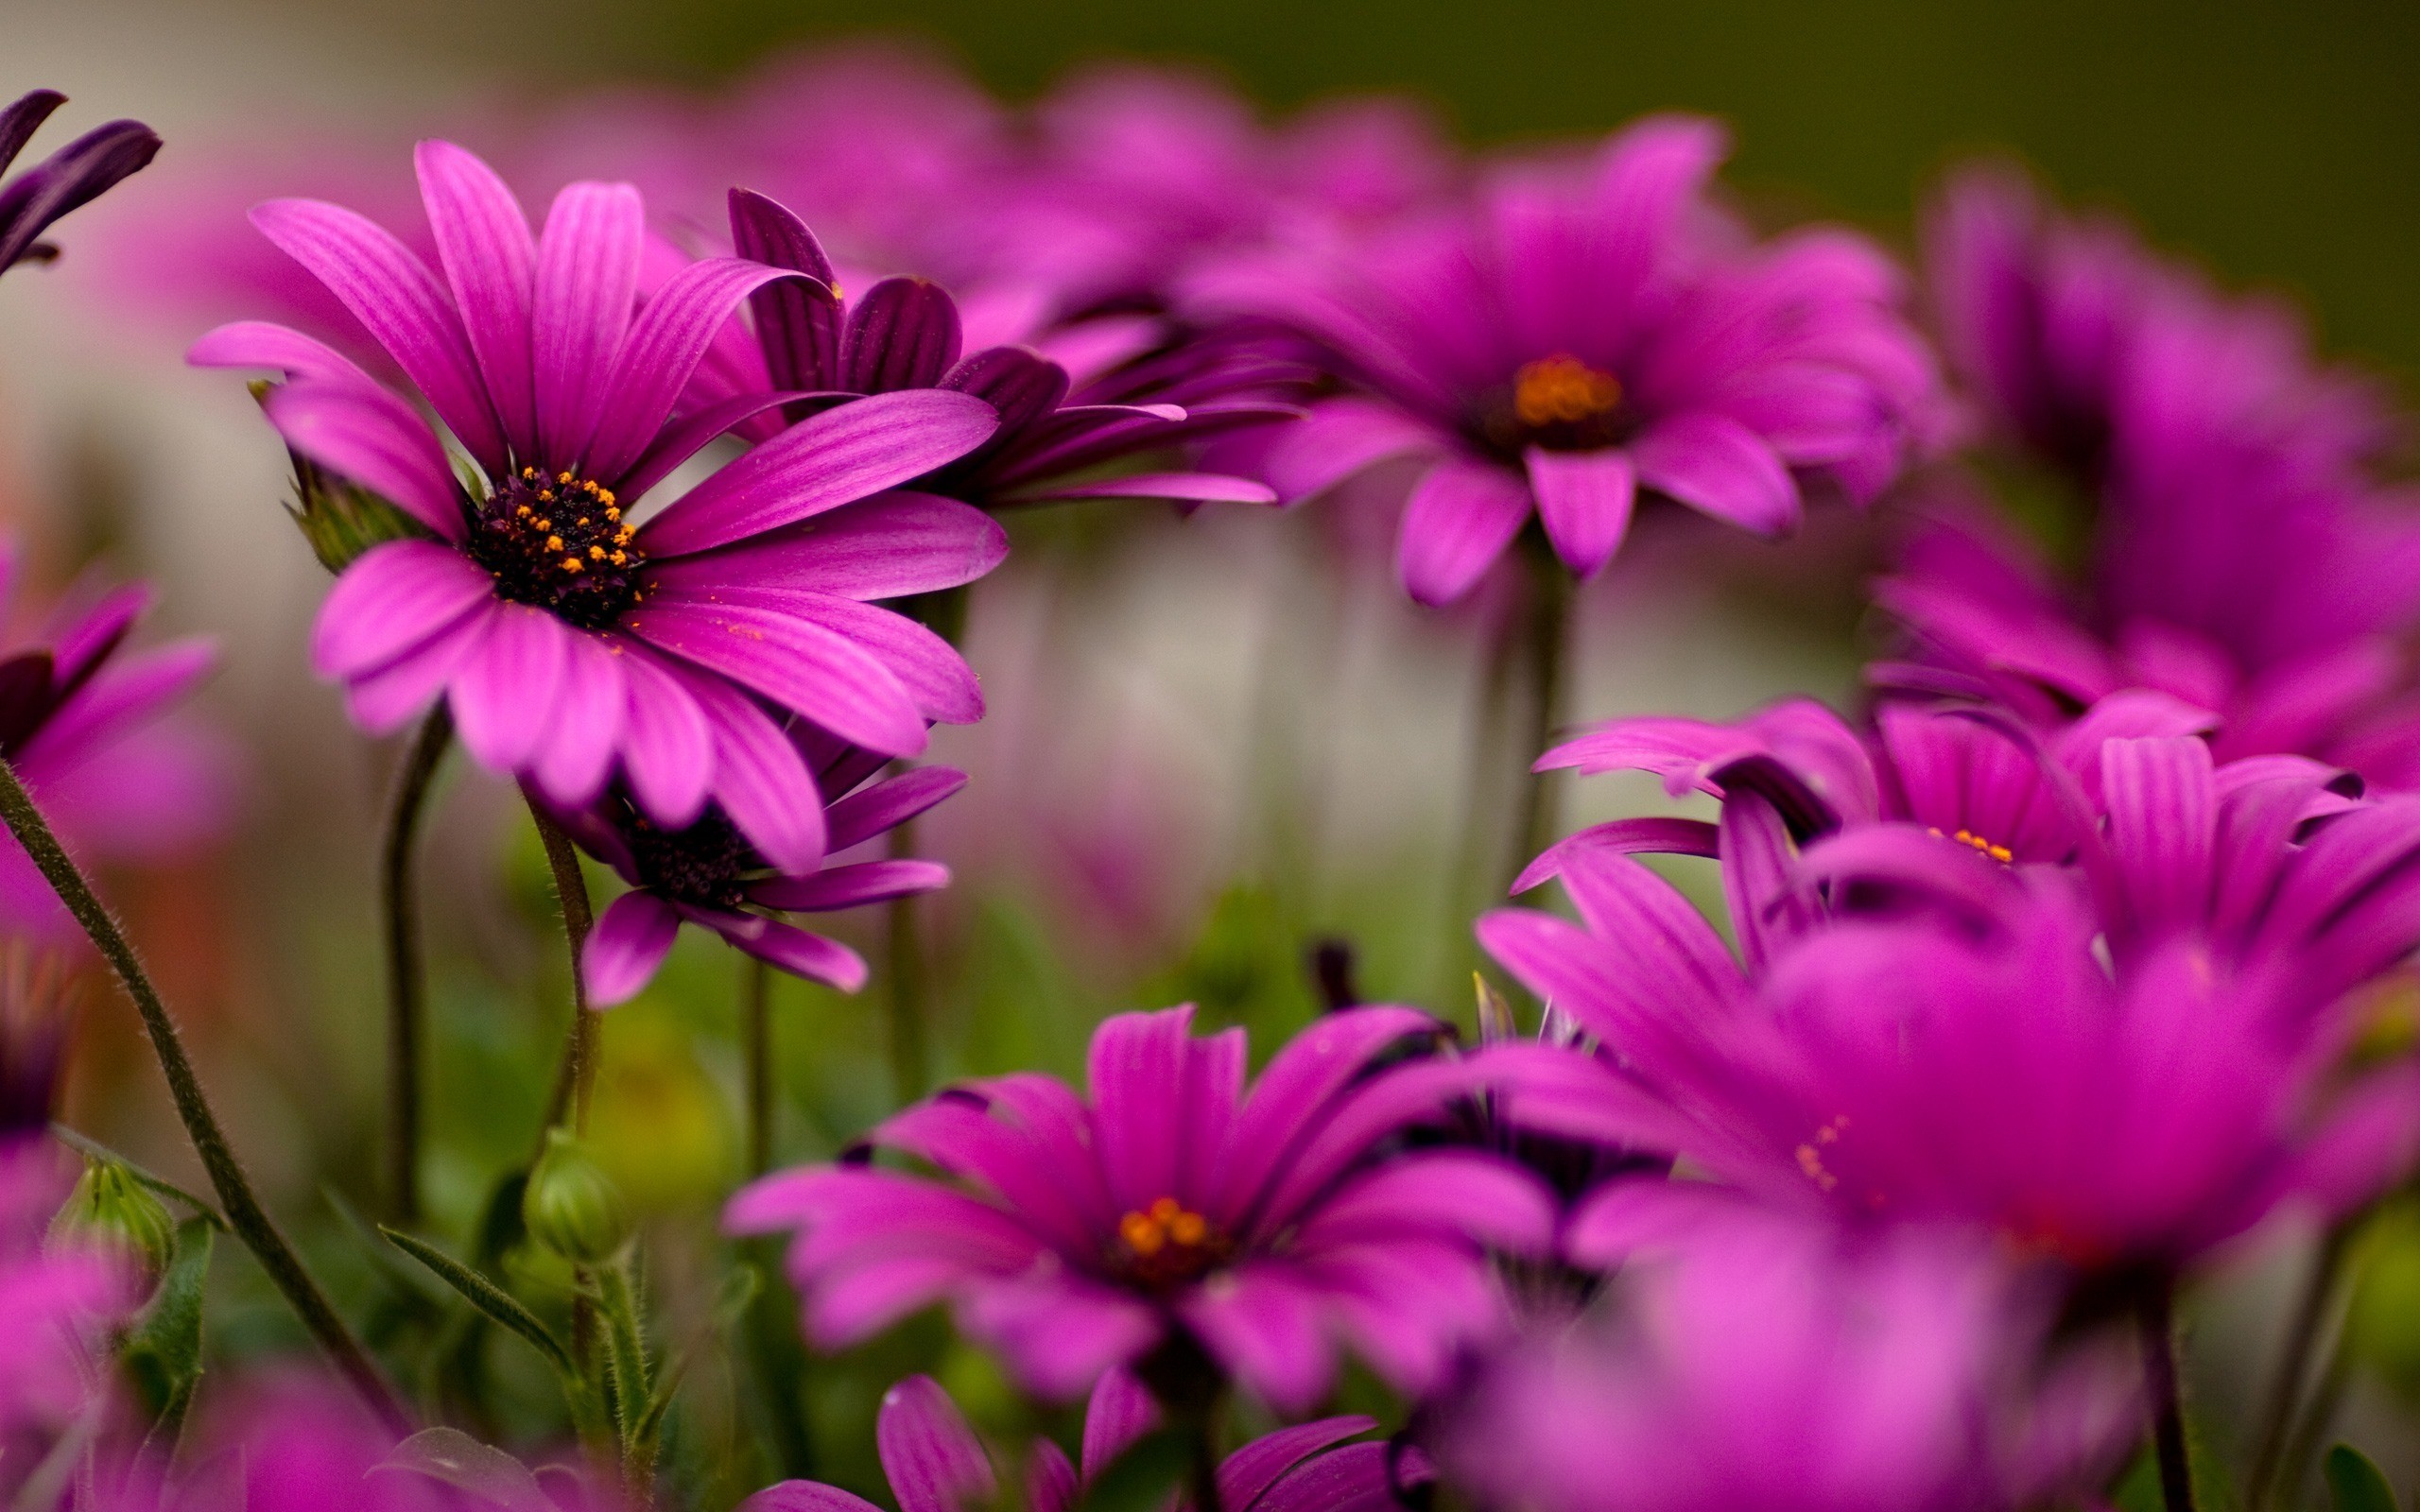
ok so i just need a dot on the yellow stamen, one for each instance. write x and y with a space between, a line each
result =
1563 388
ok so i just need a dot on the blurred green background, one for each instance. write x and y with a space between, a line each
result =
2280 143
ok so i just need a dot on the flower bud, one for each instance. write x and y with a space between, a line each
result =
571 1207
110 1210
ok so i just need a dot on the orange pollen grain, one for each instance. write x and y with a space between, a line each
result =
1563 388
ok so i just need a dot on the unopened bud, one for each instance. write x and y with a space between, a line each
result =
571 1207
110 1210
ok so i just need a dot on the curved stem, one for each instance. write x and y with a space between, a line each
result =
407 983
2156 1317
756 1038
244 1212
571 893
2303 1332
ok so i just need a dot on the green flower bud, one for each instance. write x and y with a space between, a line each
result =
571 1207
111 1210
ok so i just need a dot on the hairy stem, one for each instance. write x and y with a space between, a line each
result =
2156 1317
407 985
2303 1334
756 1038
910 987
236 1198
571 893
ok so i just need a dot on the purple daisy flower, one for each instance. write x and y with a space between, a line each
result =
1748 1362
2124 1063
1172 1210
1578 333
98 739
936 1463
571 641
707 874
905 336
73 177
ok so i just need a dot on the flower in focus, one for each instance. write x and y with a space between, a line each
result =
571 641
69 178
1172 1212
97 740
936 1463
1581 331
1747 1362
708 874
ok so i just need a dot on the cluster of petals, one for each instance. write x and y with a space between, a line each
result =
1571 334
574 645
67 179
2098 999
56 1301
1174 1208
935 1463
710 876
95 733
2244 556
1742 1360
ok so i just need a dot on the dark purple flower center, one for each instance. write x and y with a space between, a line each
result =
706 865
1165 1246
1559 403
559 543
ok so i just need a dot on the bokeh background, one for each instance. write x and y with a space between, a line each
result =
1216 743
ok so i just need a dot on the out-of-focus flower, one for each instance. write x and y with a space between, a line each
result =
1747 1362
95 737
1581 331
570 642
37 1010
936 1463
1172 1211
298 1442
708 874
2242 556
55 1298
905 336
69 178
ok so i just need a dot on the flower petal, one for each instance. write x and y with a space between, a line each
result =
484 244
851 887
887 804
1459 518
933 1459
758 777
819 672
903 334
1338 438
888 546
630 941
664 347
587 276
503 696
392 598
375 439
1583 500
667 746
1717 466
809 955
798 322
575 754
381 701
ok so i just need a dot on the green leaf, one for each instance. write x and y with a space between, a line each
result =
1141 1478
738 1290
450 1455
2354 1484
491 1299
161 1355
95 1150
342 519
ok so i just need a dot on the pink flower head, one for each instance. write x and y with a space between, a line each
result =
55 1302
1580 331
1172 1208
707 874
936 1463
1748 1362
572 640
96 738
69 178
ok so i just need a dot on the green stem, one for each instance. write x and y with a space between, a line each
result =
406 983
243 1209
757 1036
571 893
2303 1334
2156 1317
1547 630
910 987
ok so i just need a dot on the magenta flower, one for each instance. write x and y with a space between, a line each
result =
904 336
98 739
707 874
1747 1362
1578 333
71 178
56 1302
936 1463
1993 1065
1172 1210
571 641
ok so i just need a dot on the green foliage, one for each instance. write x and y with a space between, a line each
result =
161 1355
341 519
496 1304
1141 1478
2355 1484
2382 1322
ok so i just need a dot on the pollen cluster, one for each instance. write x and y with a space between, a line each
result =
1559 403
559 542
1167 1245
1981 846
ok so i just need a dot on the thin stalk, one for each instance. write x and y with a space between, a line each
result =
1482 804
406 984
2156 1317
571 893
1548 627
757 1036
243 1209
910 987
2318 1416
2303 1331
